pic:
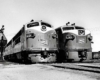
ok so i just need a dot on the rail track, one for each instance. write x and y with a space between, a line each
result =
78 67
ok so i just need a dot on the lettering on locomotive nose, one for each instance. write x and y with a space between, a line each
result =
43 28
44 42
81 40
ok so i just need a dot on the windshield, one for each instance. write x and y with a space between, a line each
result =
68 28
32 24
77 27
46 24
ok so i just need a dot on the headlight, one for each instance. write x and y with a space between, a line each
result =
30 35
81 32
89 37
70 37
43 28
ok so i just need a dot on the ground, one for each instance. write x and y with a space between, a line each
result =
39 72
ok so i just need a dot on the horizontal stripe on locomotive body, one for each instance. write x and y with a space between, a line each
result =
76 31
39 29
84 49
80 44
34 50
42 49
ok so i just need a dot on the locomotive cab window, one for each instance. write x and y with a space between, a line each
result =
45 24
68 28
76 27
32 24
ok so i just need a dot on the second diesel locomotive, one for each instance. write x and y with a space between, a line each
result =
35 42
74 43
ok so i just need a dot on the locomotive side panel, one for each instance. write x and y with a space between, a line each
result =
14 47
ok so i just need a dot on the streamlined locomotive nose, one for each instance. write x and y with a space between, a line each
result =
74 42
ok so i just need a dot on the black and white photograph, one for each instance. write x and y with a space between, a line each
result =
49 39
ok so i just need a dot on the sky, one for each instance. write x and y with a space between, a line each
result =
86 13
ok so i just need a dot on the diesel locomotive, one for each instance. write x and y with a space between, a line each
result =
36 41
74 43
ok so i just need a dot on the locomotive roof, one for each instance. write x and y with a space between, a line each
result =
74 27
37 23
70 27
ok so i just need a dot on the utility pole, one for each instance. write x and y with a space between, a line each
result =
2 42
2 48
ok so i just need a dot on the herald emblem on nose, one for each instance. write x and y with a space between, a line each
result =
43 28
81 40
81 32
